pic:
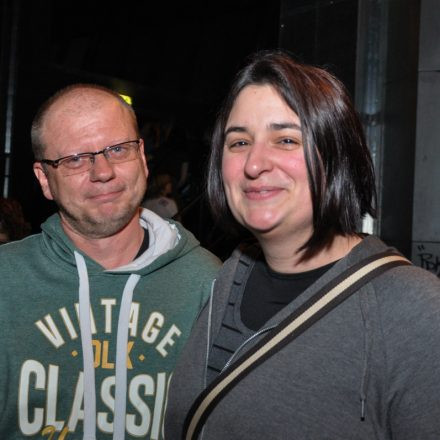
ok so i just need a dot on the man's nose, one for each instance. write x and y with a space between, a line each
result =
102 169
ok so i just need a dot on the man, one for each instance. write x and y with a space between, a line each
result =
94 310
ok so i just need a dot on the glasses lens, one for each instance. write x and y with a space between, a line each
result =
76 164
79 163
122 152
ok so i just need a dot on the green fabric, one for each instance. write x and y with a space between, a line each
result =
41 360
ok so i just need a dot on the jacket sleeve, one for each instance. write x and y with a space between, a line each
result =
411 326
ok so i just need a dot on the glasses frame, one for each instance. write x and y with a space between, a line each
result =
55 163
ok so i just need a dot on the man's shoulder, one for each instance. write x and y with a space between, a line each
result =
18 258
192 251
19 247
205 259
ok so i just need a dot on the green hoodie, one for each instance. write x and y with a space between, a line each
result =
142 313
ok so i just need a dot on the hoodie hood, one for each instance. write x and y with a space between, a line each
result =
168 240
166 243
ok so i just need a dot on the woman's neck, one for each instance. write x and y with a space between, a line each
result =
284 258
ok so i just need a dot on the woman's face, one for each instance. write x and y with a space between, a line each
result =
263 167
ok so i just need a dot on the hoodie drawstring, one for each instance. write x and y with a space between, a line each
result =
364 305
87 350
121 358
88 358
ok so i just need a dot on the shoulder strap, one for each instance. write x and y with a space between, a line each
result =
332 294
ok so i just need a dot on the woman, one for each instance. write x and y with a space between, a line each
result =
289 164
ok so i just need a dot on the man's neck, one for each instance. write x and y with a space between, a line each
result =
114 251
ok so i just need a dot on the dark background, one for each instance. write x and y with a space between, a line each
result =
175 60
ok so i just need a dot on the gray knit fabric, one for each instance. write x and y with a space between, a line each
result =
368 370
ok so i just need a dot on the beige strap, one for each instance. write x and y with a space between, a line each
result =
286 331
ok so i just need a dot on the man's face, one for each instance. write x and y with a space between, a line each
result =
103 200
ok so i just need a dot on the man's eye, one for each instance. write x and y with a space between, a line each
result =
75 161
117 150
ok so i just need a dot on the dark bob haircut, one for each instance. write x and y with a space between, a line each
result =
339 165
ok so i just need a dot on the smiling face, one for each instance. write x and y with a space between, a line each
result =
263 167
100 202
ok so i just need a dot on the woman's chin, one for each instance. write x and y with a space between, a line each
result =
261 228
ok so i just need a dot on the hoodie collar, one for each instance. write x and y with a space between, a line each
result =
166 237
163 237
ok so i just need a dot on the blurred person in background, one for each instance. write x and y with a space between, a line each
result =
160 198
13 225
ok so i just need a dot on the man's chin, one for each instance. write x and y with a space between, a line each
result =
98 226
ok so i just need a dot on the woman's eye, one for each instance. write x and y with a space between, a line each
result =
238 144
289 142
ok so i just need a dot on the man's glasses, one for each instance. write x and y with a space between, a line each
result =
79 163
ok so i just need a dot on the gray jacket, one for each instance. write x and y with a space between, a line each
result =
370 369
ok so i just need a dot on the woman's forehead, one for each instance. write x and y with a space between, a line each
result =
261 104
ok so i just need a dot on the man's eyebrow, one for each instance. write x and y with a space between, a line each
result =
284 125
235 129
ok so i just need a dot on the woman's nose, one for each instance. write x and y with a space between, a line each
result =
258 160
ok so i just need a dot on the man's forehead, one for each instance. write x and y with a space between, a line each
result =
78 101
90 120
83 106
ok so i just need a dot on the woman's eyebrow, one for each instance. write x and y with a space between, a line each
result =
235 129
272 126
284 125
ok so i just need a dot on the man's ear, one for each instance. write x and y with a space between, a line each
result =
40 174
143 156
